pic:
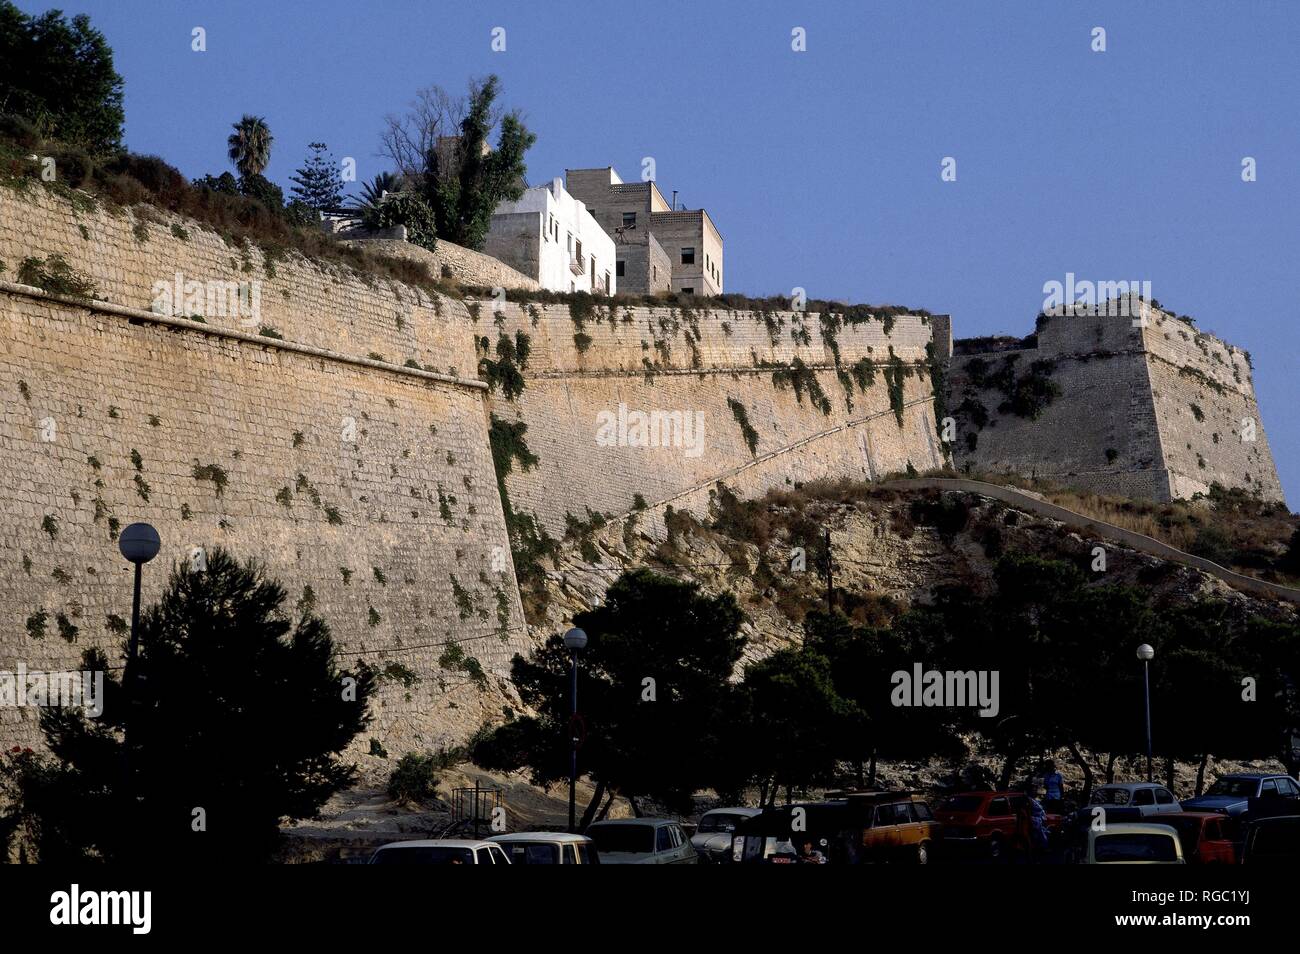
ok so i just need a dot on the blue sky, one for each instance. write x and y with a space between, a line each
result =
821 168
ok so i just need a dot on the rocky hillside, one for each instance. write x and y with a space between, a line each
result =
889 550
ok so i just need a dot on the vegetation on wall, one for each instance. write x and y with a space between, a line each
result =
55 275
746 429
529 541
804 380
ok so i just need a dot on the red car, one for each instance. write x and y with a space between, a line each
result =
1208 837
985 820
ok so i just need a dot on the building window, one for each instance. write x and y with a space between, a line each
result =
618 268
629 220
607 283
688 291
688 255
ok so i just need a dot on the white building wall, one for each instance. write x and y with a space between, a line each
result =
567 229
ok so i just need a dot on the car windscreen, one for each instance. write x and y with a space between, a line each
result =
532 853
1134 846
719 822
1233 787
424 855
961 803
612 839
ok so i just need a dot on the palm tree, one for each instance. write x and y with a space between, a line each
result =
250 145
372 193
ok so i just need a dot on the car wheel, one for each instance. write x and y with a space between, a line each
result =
923 853
996 849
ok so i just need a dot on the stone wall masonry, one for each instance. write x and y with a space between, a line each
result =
450 260
327 306
1149 409
1204 397
648 360
727 340
1099 435
371 486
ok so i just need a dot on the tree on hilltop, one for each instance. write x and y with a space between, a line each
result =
318 184
441 147
249 146
59 76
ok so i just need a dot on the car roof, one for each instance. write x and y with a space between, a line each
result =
609 822
1254 775
1195 815
739 810
562 837
1131 785
435 843
1137 828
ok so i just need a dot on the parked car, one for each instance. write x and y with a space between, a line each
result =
985 821
877 826
443 851
1134 843
1232 793
547 848
1148 797
1274 840
712 838
1208 838
642 841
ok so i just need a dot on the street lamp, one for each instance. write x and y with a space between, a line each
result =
574 640
1146 654
139 543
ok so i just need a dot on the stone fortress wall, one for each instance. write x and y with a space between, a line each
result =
698 367
366 488
1150 410
344 436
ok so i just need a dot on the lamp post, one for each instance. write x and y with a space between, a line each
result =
1146 654
574 640
139 543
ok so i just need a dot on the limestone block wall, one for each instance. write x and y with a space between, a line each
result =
366 493
1210 424
365 487
1153 409
699 367
331 307
455 261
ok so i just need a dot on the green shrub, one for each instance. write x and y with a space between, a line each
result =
406 209
415 779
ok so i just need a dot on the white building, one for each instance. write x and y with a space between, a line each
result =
551 236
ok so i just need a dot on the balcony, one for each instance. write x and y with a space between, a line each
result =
577 264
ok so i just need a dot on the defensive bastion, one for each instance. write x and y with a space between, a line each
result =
345 437
1146 406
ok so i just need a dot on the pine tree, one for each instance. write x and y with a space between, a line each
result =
318 184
